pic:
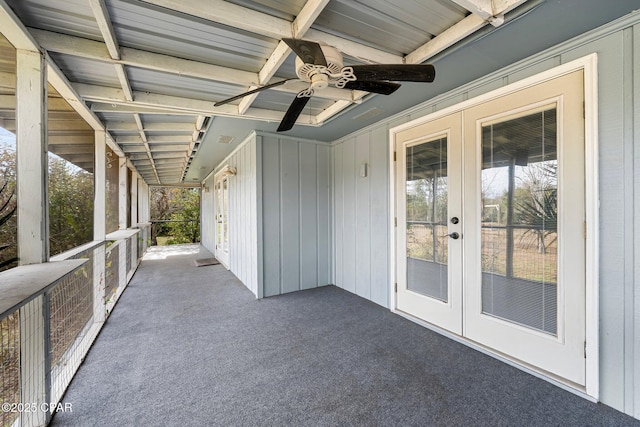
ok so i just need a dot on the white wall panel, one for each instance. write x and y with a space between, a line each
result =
243 214
361 215
208 215
619 168
295 214
308 216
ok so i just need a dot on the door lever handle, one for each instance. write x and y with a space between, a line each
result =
455 235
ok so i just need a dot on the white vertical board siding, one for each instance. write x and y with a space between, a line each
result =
208 215
636 223
619 186
243 214
361 215
295 214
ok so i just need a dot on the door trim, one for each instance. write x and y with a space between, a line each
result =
221 255
589 65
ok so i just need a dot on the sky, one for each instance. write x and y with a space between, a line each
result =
7 139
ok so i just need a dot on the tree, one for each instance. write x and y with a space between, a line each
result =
70 205
180 207
186 229
8 207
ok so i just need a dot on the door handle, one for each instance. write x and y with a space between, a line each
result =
455 235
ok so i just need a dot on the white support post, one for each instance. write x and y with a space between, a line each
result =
143 202
146 204
134 199
31 136
34 372
122 194
99 225
100 180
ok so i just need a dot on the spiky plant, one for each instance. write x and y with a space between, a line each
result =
541 214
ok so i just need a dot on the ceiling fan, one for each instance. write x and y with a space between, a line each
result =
321 66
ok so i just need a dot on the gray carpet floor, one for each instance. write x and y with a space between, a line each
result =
191 346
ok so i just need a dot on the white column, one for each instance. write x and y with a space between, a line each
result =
100 182
143 202
31 136
122 194
99 224
34 369
134 199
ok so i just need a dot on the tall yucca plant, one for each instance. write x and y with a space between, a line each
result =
7 211
540 209
541 214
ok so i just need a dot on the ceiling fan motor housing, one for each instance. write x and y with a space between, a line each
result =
307 72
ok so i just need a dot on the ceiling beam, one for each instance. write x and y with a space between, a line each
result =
112 100
125 107
151 127
8 102
14 31
355 50
166 139
72 149
482 8
91 49
101 14
70 139
261 23
145 141
59 81
124 81
457 32
230 14
300 25
307 17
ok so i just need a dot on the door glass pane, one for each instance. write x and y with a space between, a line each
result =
426 197
225 213
519 220
219 208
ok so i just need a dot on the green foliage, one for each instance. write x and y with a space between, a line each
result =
186 229
8 207
70 205
180 207
423 204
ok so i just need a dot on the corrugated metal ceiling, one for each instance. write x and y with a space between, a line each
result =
217 49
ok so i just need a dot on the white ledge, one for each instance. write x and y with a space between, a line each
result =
75 251
21 284
122 234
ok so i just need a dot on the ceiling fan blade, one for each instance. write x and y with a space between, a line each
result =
242 95
293 113
397 72
383 88
309 52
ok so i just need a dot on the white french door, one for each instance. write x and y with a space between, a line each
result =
429 186
491 214
221 188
